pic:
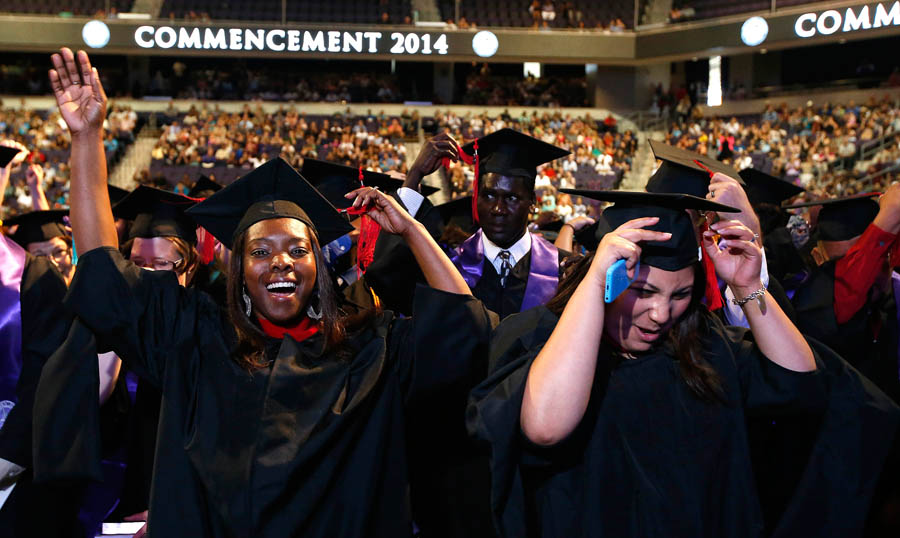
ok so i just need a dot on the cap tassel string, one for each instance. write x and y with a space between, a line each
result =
713 295
368 234
469 159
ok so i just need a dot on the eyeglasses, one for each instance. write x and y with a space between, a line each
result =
158 264
58 255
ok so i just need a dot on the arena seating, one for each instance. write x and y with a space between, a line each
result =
513 14
53 7
345 11
708 9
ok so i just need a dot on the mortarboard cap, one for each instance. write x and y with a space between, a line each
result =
274 190
116 194
203 188
678 252
335 180
458 212
37 226
844 218
679 173
762 188
7 154
157 213
511 153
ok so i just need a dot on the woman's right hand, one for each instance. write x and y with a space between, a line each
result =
79 93
622 243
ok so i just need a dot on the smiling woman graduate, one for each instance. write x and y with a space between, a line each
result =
627 418
281 416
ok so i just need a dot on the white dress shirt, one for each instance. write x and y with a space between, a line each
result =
516 252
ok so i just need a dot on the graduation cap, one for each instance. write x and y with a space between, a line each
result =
678 252
590 236
274 190
38 226
510 153
203 188
335 180
762 188
684 171
116 194
7 154
458 212
157 213
843 218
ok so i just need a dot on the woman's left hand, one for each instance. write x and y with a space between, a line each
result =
737 259
386 211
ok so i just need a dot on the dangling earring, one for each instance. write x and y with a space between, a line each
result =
310 311
248 306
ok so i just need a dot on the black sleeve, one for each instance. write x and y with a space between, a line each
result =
443 346
144 316
394 272
44 325
767 387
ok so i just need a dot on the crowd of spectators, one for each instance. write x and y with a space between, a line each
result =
816 147
484 88
212 141
246 82
47 138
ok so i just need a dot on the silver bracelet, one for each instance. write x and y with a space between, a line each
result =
755 295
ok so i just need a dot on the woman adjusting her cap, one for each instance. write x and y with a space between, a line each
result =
282 416
627 418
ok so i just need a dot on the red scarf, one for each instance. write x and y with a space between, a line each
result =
300 332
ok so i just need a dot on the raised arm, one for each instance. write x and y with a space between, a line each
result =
82 104
7 170
559 382
565 238
34 175
439 271
738 263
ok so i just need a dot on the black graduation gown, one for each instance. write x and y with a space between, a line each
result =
44 326
313 445
650 459
868 340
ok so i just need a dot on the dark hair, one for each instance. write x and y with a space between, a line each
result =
187 252
685 338
250 349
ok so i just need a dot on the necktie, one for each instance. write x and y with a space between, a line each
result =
505 267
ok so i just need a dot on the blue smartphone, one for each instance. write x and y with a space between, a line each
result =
617 279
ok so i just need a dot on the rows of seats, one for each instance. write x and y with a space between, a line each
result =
343 11
708 9
516 14
53 7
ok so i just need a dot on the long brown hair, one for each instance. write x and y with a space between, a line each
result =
685 338
250 349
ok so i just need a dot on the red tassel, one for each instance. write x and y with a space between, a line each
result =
206 246
368 235
713 295
469 159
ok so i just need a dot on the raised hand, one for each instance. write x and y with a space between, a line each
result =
888 218
20 157
622 243
433 152
726 190
78 91
383 209
737 259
